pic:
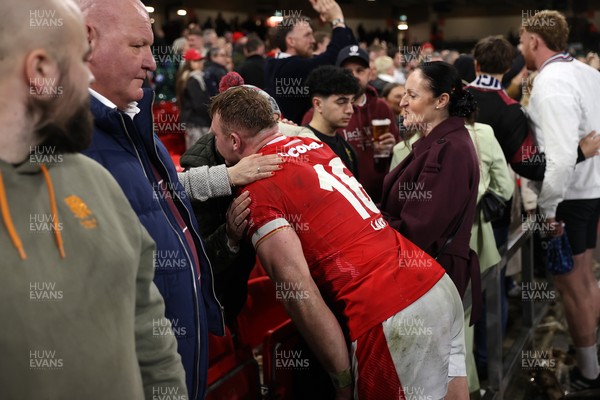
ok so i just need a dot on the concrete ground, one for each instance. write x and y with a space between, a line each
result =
543 374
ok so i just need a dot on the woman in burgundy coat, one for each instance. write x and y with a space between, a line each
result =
431 196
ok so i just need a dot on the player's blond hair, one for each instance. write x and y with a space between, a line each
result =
243 110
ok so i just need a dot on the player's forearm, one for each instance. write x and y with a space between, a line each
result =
282 257
320 328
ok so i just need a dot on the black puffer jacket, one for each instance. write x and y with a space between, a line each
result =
231 271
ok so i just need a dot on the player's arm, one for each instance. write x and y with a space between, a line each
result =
282 257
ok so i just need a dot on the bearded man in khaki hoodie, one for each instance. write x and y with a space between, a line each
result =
82 318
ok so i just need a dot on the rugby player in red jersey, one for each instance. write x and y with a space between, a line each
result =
382 316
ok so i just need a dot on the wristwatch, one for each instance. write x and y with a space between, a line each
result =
337 21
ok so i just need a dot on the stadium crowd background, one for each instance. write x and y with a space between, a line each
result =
196 55
221 42
441 28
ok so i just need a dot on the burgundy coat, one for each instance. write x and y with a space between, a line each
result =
431 192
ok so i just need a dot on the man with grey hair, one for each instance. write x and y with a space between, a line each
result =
120 36
563 108
77 297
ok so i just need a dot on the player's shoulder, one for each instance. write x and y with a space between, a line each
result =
295 149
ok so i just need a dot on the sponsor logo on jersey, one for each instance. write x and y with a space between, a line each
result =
296 151
378 224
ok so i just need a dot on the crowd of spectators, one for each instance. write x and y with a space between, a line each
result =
375 206
493 71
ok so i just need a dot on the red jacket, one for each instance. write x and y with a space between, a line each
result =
371 171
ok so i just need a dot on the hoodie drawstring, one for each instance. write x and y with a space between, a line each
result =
14 236
53 210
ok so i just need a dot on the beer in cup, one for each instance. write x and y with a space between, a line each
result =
379 127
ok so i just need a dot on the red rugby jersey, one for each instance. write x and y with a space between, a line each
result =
365 270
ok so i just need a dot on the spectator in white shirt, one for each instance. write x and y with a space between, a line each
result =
563 108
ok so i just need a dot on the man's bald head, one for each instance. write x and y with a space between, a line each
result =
37 24
108 13
43 52
119 33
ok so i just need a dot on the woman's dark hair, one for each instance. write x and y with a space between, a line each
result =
444 78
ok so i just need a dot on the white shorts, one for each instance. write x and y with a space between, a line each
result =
415 353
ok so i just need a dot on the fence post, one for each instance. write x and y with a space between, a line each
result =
494 330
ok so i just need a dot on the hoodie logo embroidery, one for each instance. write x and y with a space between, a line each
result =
82 212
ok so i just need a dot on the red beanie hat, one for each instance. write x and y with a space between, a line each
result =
229 80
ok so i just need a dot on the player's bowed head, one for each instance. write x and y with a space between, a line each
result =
242 122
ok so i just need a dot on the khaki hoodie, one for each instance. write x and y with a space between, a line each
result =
82 318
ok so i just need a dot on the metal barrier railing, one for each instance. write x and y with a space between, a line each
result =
501 367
